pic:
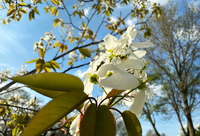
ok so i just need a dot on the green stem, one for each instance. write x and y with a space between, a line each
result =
111 101
120 99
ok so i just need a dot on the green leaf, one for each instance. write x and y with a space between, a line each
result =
16 130
53 112
20 14
22 4
88 123
30 15
85 52
84 25
49 93
22 10
10 11
46 69
54 2
41 52
36 10
2 111
56 13
56 21
132 15
105 121
40 65
54 64
53 10
31 61
97 122
114 92
51 81
132 124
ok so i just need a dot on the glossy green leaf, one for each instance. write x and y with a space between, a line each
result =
22 10
22 4
49 93
53 112
17 129
46 69
54 2
56 21
83 23
85 52
53 10
88 122
54 64
20 14
51 81
56 13
36 10
41 52
30 15
40 65
31 61
2 111
105 121
132 124
10 11
97 122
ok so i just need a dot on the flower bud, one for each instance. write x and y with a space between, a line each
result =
109 74
94 79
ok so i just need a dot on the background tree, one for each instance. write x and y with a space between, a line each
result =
17 108
175 58
151 133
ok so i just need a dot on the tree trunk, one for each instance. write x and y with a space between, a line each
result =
188 114
179 119
146 111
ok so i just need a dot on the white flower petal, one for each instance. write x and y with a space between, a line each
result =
125 39
140 53
128 102
141 45
132 64
110 42
74 126
88 87
120 81
109 67
138 104
132 31
128 36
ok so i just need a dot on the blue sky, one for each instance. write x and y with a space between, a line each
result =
16 48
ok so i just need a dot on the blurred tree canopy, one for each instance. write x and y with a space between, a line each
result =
176 57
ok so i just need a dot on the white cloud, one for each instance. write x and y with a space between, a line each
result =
195 2
80 73
86 11
162 2
157 89
113 19
131 22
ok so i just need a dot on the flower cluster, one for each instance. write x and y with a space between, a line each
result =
120 67
48 37
4 75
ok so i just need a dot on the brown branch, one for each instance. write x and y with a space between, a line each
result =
76 67
8 105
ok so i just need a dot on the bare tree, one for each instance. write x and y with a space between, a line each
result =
176 58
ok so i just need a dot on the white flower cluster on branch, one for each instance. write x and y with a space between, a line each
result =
121 67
